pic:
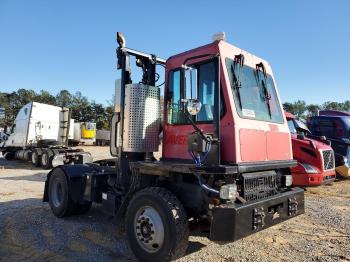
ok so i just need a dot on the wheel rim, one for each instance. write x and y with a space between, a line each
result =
56 193
44 159
149 229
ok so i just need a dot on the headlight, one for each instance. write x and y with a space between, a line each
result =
288 180
228 191
309 168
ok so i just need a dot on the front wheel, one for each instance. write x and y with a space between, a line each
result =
156 225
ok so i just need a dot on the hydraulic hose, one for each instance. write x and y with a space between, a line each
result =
206 187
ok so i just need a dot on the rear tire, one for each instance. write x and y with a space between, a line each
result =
59 196
9 156
156 225
46 159
36 157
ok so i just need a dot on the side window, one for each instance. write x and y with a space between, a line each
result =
175 116
199 84
206 91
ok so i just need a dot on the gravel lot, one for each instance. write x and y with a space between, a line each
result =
30 232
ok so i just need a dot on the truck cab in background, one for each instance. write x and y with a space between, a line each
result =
335 127
315 158
40 135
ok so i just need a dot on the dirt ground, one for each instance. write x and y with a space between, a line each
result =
30 232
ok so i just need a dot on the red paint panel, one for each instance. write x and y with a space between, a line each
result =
278 146
253 145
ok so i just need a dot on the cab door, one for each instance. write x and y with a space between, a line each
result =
200 82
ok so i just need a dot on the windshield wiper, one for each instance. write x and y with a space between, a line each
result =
238 60
267 95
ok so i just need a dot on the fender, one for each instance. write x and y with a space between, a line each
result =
78 177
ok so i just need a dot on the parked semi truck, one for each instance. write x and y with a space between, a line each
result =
335 127
40 134
315 158
225 160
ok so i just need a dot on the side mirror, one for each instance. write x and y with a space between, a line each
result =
193 106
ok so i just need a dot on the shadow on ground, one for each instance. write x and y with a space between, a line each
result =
29 231
17 164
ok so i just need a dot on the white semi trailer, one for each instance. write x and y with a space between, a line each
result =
40 134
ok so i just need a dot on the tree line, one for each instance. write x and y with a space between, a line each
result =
82 109
303 110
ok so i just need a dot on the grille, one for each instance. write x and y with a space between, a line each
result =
259 185
328 159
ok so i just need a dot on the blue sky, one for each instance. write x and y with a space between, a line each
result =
54 45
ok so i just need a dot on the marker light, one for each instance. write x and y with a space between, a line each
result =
219 36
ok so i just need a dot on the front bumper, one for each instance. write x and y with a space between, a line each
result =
232 222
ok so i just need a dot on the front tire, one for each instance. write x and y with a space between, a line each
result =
156 225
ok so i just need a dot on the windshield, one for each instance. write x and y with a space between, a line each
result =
250 100
291 126
301 126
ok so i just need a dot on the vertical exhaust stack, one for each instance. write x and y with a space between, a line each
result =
64 123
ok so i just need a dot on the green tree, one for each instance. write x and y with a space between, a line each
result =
312 109
289 107
64 98
299 108
45 98
332 106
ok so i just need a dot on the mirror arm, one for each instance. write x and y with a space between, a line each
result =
187 115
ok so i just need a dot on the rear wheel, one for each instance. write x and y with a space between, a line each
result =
36 157
46 159
156 225
9 156
59 197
